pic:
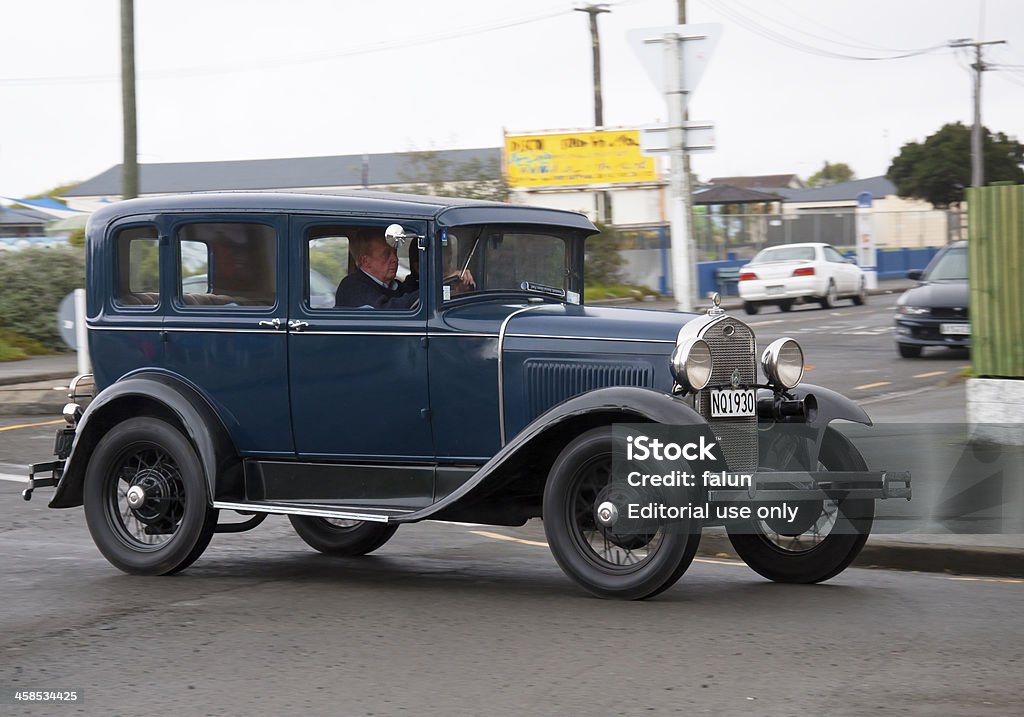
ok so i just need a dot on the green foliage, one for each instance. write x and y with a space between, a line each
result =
597 292
830 174
433 174
939 169
77 238
602 260
34 283
15 346
55 192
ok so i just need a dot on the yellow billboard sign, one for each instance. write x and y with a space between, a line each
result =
577 158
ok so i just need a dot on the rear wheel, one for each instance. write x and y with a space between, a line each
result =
333 536
786 305
861 297
750 307
146 499
609 563
829 299
909 350
825 537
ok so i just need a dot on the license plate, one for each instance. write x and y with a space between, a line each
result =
955 329
732 402
774 290
62 442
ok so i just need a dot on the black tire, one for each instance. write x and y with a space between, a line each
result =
836 550
342 538
751 308
174 523
909 350
786 305
861 297
584 468
829 299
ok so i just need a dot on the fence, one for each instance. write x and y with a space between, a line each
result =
995 257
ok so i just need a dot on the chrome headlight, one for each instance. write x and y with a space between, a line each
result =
691 364
783 362
914 310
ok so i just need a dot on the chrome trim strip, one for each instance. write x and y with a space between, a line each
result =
501 369
154 327
182 329
591 338
345 514
362 333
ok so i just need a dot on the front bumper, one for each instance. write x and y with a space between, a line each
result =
927 331
818 485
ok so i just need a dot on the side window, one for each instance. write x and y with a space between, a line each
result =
328 263
333 255
138 267
832 255
227 264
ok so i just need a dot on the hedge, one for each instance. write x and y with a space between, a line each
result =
33 282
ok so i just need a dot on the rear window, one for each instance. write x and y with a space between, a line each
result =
784 253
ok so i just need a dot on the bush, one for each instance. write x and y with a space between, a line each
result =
602 262
33 282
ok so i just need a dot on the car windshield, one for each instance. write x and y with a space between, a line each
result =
950 266
503 258
784 253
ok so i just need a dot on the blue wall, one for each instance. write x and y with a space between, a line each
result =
892 264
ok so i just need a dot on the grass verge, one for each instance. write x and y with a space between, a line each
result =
595 292
15 346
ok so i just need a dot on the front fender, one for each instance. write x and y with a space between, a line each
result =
159 395
532 451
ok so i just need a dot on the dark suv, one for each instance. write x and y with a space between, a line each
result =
495 400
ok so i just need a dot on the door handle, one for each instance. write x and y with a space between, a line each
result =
295 325
272 323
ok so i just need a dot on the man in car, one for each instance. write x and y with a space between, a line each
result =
373 284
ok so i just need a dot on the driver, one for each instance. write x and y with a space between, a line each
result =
373 284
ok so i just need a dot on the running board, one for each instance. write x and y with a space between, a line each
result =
315 510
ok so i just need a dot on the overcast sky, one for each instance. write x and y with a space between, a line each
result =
253 79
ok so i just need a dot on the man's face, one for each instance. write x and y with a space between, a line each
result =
381 262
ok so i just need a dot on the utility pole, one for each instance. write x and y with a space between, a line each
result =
603 205
977 151
688 190
130 166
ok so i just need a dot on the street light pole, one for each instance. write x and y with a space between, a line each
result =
977 149
603 205
130 165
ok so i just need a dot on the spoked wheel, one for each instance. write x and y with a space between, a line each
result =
146 500
336 536
608 558
825 537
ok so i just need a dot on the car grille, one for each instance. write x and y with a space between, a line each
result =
732 349
949 312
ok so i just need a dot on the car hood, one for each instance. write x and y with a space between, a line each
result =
573 322
938 294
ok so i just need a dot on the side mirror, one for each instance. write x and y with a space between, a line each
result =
396 236
915 274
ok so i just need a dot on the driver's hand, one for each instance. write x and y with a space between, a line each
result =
466 279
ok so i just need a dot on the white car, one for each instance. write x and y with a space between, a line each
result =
785 275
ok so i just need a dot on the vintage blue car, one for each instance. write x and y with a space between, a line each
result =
486 391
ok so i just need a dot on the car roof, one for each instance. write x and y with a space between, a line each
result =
800 244
448 210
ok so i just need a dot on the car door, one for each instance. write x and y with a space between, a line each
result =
358 376
224 327
846 274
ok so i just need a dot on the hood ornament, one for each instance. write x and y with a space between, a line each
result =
716 305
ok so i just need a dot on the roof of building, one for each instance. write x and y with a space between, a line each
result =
727 194
762 181
844 191
23 216
352 170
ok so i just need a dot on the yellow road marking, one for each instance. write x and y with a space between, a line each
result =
929 374
989 580
720 562
509 538
32 425
873 385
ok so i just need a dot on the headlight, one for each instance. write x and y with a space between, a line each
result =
691 364
914 310
783 362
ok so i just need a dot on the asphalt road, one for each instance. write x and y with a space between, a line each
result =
473 620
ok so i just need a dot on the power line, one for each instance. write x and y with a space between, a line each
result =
289 60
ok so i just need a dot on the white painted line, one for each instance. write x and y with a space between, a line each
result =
14 478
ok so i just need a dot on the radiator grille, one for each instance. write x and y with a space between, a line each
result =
732 349
551 381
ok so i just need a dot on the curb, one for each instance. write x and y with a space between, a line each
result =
917 557
37 398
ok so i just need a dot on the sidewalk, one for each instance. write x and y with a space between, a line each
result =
27 386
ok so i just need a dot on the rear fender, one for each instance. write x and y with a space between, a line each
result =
161 396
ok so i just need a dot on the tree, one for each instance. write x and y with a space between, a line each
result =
830 174
602 257
432 173
939 169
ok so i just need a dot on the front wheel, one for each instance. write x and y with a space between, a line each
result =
909 350
146 500
609 563
346 538
825 537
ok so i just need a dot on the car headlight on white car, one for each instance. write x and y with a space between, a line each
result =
691 364
783 362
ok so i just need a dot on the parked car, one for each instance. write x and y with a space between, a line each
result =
935 312
792 273
496 403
